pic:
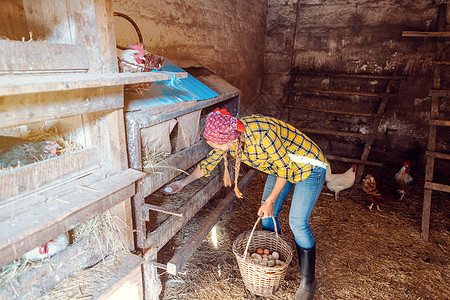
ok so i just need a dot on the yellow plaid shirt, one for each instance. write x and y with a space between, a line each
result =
268 143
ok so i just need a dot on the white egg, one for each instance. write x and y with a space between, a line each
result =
275 255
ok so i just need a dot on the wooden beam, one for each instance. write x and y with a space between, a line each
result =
438 155
26 84
350 75
331 111
442 62
336 92
185 252
341 133
353 160
439 93
161 235
435 122
437 186
426 33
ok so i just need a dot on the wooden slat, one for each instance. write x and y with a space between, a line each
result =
162 209
438 155
437 187
426 33
353 160
336 92
28 108
331 111
184 253
340 133
439 93
41 57
25 84
171 167
442 62
350 75
161 235
61 209
439 122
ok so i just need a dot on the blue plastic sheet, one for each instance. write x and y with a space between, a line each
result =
168 92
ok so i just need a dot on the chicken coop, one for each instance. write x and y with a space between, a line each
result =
89 142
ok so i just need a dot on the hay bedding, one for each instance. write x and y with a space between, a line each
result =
360 254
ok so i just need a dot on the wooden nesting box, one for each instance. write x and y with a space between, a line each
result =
66 78
158 122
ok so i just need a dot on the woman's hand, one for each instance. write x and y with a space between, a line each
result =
266 210
174 187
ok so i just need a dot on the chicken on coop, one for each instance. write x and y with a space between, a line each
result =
375 196
340 182
16 151
132 60
403 178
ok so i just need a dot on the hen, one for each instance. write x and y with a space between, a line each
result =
16 151
134 58
403 178
376 197
340 182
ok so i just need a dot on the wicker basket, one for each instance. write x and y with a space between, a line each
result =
152 61
262 280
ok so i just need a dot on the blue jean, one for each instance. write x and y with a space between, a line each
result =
304 198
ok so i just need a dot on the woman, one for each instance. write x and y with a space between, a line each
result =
289 157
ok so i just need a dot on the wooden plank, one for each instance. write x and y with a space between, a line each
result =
28 108
46 173
445 123
350 75
439 93
340 133
25 84
41 57
161 235
331 111
426 33
61 209
437 186
442 62
127 276
336 92
353 160
162 209
426 212
184 253
438 155
38 281
173 166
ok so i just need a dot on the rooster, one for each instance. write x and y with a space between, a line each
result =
340 182
132 60
403 178
376 197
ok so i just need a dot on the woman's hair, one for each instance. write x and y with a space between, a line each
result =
237 166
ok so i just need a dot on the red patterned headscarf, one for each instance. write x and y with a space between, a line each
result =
221 127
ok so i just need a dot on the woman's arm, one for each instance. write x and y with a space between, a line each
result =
180 184
266 209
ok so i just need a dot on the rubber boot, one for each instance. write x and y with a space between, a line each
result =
307 260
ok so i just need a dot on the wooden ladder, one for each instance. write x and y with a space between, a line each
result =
438 95
385 96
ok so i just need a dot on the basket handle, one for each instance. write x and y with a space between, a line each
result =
253 230
134 25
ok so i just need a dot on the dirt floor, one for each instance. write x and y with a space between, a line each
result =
361 254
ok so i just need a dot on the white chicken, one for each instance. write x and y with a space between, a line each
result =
340 182
403 178
134 58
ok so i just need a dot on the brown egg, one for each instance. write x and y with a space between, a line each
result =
277 266
259 251
266 251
